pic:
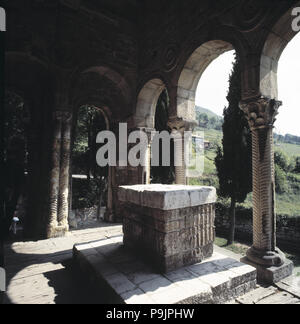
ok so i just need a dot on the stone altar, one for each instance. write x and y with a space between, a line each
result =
169 226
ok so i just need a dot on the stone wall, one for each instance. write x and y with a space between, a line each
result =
288 228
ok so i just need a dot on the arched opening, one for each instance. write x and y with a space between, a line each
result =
152 114
90 183
105 90
200 79
194 68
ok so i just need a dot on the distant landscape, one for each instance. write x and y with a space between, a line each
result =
287 149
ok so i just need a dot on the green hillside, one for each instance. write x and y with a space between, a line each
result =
209 113
288 203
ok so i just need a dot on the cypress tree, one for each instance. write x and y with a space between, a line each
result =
234 160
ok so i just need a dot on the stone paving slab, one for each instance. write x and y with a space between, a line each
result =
37 273
290 285
126 279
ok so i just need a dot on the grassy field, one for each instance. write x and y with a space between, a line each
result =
288 203
290 149
241 248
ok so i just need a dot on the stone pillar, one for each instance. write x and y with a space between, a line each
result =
178 127
264 255
64 181
146 170
180 167
59 175
54 175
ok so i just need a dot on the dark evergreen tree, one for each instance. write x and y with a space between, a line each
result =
234 161
297 167
162 174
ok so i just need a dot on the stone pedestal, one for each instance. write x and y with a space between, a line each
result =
169 226
272 274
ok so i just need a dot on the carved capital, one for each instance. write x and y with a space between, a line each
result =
181 125
261 112
62 116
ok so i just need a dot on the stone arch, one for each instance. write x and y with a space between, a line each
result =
146 103
105 112
191 74
279 37
102 87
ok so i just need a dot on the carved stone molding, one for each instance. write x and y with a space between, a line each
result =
180 124
261 112
250 14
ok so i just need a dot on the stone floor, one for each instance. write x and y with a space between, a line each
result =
126 279
43 273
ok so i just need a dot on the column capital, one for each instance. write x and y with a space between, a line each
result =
63 116
261 112
180 124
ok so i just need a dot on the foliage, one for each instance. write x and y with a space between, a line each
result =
90 121
297 166
281 160
280 180
233 162
208 120
161 174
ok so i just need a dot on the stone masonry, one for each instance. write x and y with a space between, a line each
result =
173 226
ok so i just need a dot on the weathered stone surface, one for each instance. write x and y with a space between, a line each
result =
168 236
167 197
291 285
257 295
217 280
271 275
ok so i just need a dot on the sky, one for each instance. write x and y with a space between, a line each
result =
213 87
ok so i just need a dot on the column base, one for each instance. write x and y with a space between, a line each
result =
58 231
109 216
264 258
271 274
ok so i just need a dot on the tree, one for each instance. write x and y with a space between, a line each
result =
90 121
282 161
234 161
280 180
297 167
161 174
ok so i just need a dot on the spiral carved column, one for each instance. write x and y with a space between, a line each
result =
65 172
54 175
59 175
261 113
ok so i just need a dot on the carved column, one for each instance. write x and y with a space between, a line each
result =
178 127
146 170
59 175
54 174
264 254
64 181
